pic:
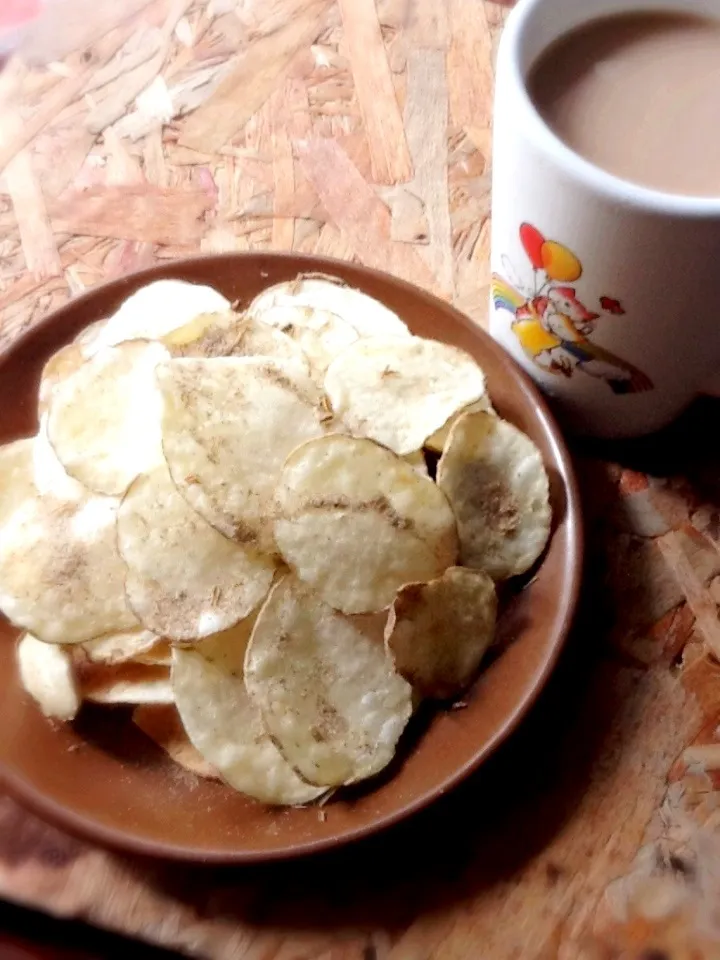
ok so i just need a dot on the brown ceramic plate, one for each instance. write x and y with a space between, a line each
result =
101 778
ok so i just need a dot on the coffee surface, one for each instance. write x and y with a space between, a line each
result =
639 96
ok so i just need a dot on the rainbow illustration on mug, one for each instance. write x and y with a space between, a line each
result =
552 325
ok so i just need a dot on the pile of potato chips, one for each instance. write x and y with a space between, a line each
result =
274 532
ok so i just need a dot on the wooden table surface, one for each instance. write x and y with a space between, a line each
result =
361 129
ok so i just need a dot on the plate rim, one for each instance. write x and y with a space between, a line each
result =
86 828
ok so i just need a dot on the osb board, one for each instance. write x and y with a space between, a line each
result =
346 128
363 131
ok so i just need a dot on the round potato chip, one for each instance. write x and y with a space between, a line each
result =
159 655
357 522
494 478
162 724
226 727
367 316
232 334
46 673
49 475
61 576
121 647
437 632
228 425
185 581
61 365
417 462
124 683
153 311
321 335
400 391
16 473
90 333
437 441
328 694
104 420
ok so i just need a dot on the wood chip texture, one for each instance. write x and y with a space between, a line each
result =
347 127
361 129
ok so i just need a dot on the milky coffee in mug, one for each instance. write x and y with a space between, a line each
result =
638 94
606 206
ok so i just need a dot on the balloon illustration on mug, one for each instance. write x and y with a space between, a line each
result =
556 260
552 324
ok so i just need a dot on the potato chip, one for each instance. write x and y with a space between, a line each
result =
321 335
159 655
185 581
328 694
49 475
437 632
124 683
437 441
16 471
104 420
400 391
417 462
228 425
371 625
90 333
61 576
226 727
57 369
46 673
153 311
494 478
367 316
162 724
356 522
232 334
120 647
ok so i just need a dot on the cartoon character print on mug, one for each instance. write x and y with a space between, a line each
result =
552 325
604 290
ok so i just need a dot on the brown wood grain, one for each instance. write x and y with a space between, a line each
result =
595 833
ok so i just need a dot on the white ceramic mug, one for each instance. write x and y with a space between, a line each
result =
607 293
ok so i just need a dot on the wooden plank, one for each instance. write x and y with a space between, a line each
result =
252 81
67 27
696 594
283 168
389 154
355 209
148 213
15 134
469 64
36 236
427 25
121 166
128 87
154 163
426 122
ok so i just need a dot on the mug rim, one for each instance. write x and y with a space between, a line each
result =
608 185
